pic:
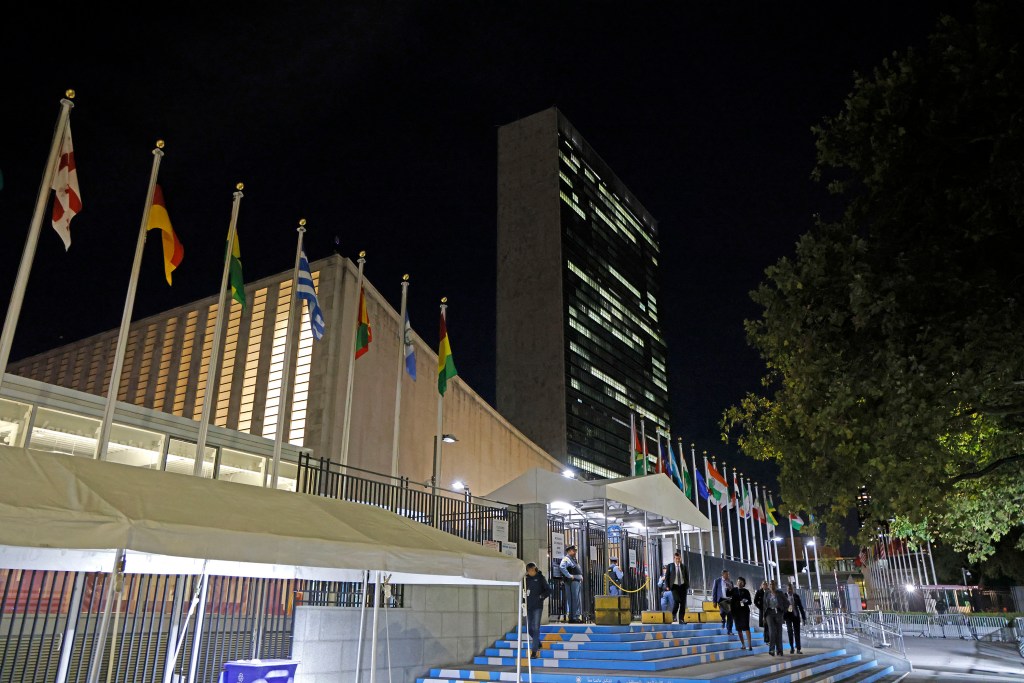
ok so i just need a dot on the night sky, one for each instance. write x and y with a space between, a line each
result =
377 122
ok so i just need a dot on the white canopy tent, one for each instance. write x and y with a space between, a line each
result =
70 513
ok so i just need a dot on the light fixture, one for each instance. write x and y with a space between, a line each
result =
568 473
810 543
448 438
911 588
777 539
459 485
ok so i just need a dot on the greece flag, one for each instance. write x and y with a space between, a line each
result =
305 290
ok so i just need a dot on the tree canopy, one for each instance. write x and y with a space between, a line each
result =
893 339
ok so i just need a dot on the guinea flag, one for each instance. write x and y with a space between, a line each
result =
364 335
445 363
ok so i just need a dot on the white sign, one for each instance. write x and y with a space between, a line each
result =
557 546
499 529
492 545
509 548
632 558
593 553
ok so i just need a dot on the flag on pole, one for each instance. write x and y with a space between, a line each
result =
796 521
663 466
673 469
364 334
445 363
758 511
702 489
68 200
748 501
235 273
733 502
769 513
160 220
307 291
410 351
639 459
687 477
719 487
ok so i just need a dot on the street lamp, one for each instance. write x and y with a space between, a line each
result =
966 573
460 485
568 473
817 570
445 438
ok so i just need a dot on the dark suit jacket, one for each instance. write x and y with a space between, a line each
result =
670 575
798 613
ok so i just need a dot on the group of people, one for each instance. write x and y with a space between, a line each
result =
775 607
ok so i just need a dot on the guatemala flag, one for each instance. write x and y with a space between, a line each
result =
410 351
305 290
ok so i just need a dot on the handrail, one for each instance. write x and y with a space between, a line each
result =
862 628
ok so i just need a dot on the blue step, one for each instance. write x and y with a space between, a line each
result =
619 664
619 655
786 670
623 645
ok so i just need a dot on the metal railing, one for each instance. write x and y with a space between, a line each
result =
861 628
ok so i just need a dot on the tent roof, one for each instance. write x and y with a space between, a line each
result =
63 512
654 493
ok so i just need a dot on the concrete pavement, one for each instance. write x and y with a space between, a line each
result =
946 659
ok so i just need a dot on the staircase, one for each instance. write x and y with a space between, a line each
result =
660 653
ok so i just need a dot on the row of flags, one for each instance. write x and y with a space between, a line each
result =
714 488
67 204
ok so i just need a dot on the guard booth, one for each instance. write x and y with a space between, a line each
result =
638 520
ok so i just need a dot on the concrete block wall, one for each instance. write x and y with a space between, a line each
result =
440 626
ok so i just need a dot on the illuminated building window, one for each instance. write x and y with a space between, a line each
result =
147 359
227 366
204 363
565 178
170 327
303 361
252 360
275 380
572 204
184 364
126 367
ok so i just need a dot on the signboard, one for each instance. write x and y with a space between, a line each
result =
509 548
614 533
492 545
593 553
632 558
557 545
499 529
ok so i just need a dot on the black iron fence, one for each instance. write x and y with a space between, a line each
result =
460 514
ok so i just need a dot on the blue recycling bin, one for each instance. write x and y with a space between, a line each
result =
259 671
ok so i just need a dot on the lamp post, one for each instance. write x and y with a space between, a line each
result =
817 570
445 438
776 540
966 573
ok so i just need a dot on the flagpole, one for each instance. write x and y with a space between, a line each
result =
439 438
737 485
29 252
718 508
760 532
347 424
401 371
286 370
792 547
711 531
632 442
211 376
700 532
103 440
728 519
643 440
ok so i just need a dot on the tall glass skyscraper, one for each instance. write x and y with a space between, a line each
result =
579 341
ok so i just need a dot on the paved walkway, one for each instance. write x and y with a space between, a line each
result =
947 659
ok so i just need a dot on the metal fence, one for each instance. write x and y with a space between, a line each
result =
49 622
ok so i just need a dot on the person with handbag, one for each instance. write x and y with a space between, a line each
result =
720 596
740 599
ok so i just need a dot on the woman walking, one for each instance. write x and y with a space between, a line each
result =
741 600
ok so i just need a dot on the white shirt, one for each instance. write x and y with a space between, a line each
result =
678 578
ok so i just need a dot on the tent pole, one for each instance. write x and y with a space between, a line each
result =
362 629
373 637
101 634
520 613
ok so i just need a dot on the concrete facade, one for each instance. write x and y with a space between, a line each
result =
169 355
439 626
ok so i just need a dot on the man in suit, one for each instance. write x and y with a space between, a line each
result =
794 615
719 594
677 578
